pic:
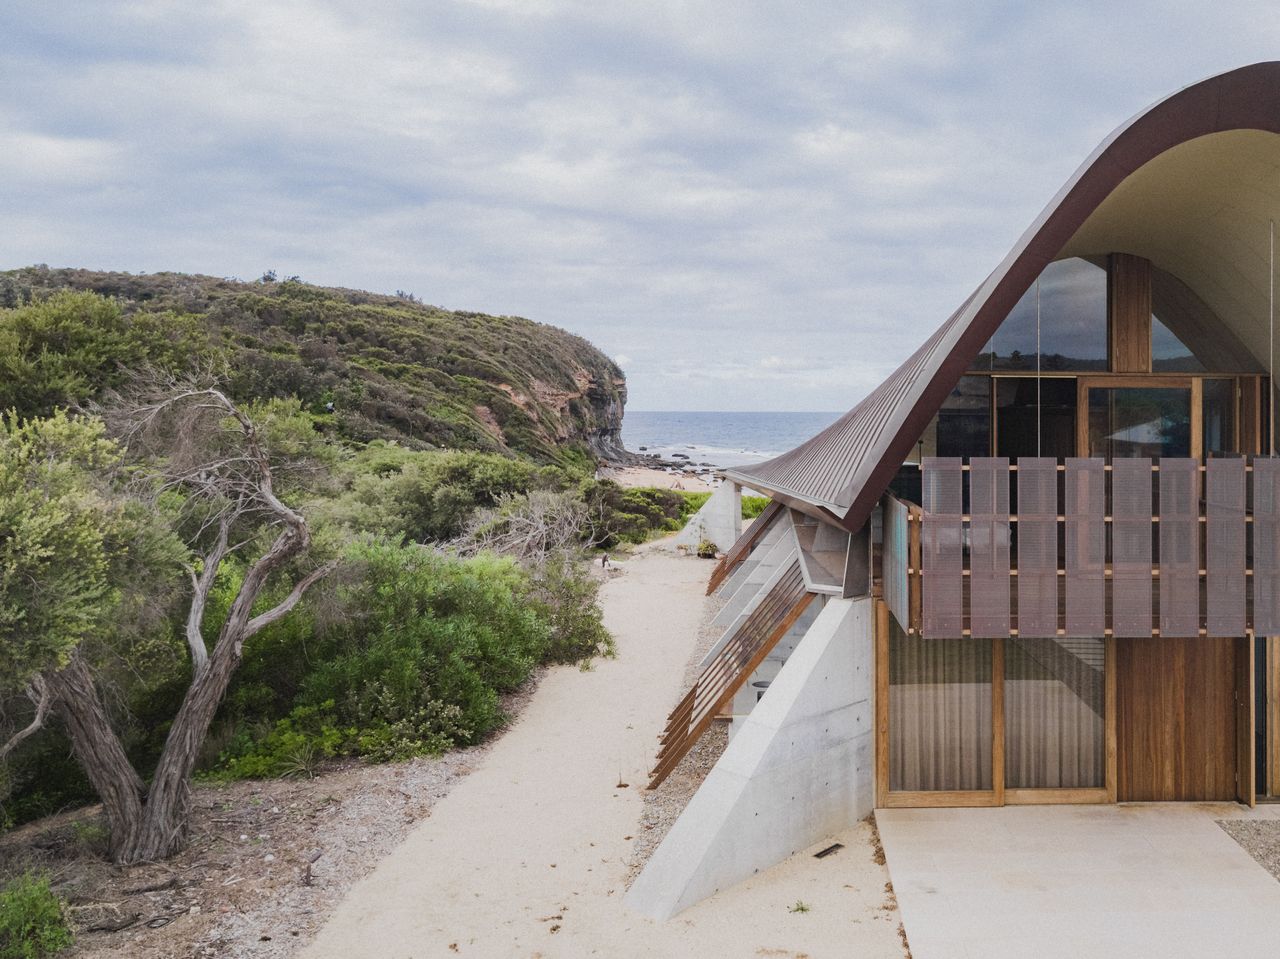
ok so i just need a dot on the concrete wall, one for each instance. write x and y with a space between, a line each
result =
719 520
799 770
746 698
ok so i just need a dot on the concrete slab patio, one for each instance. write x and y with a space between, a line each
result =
1160 880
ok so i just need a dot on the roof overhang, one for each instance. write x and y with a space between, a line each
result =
1190 183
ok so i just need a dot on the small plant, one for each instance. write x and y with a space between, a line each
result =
707 549
90 836
800 906
32 921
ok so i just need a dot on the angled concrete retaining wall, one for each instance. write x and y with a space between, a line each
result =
800 769
719 520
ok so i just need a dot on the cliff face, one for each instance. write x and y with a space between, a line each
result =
392 367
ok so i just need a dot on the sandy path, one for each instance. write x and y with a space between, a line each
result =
527 857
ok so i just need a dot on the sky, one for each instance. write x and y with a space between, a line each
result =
749 206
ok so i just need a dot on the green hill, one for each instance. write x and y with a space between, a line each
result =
392 367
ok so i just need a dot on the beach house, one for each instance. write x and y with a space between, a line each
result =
1041 562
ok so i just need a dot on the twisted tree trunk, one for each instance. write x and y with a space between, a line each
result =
98 749
150 823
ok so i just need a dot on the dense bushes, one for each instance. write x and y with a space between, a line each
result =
66 349
32 922
633 515
413 659
428 496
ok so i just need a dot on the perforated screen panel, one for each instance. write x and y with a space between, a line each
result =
989 546
896 559
1086 547
1131 547
1266 546
941 543
1037 546
1225 486
1179 547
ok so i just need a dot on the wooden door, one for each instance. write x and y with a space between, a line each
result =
1176 719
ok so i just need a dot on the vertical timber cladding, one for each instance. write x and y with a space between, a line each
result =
1086 547
1129 313
1180 547
989 546
941 540
1038 547
1225 546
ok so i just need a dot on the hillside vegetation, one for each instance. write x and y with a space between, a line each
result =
137 502
392 368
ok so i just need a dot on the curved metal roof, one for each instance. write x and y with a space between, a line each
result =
1196 214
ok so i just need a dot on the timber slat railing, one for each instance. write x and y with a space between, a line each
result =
731 667
741 549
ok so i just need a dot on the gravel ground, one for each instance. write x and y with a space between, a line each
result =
268 861
1260 838
663 806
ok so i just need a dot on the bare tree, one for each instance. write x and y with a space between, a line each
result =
533 526
197 441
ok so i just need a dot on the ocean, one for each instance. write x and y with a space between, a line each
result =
720 439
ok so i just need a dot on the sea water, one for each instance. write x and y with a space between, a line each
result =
720 439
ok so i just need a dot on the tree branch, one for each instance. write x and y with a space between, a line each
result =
284 606
201 586
38 693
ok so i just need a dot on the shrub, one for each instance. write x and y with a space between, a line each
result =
753 506
65 349
565 593
633 515
294 746
32 921
429 496
414 663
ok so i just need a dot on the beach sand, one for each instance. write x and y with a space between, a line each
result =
633 476
528 856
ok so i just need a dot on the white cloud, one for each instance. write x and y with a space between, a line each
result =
765 205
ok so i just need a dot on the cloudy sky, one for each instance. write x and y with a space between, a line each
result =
751 206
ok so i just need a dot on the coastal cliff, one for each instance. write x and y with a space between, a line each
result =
385 367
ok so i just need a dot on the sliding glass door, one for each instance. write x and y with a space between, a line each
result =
1122 419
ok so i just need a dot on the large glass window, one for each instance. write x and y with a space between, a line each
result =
1054 728
1187 336
1033 421
1073 323
1168 353
1218 415
964 421
1139 421
939 713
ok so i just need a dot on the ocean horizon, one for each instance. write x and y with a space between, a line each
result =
720 439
